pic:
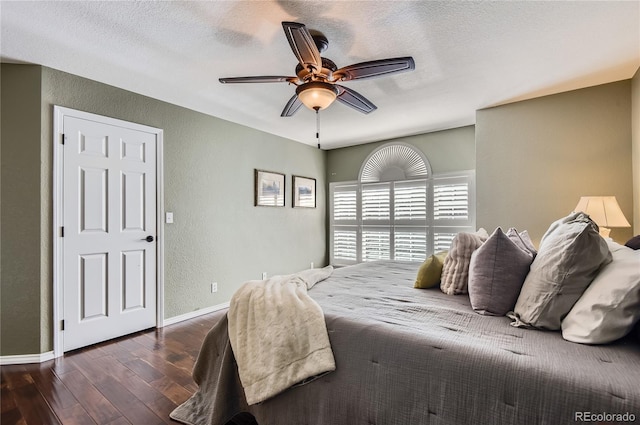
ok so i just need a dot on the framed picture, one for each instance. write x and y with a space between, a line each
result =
269 189
304 192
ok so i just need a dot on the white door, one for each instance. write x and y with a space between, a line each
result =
109 231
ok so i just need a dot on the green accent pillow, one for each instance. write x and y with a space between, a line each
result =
430 271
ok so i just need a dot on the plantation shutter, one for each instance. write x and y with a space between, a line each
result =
453 208
410 201
376 218
344 228
410 243
345 203
376 207
442 241
345 244
410 220
375 243
451 201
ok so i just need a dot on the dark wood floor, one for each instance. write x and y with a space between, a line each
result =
137 380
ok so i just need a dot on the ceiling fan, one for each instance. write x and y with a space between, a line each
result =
317 77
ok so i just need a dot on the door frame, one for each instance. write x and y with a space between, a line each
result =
59 113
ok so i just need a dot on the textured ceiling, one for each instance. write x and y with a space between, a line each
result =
468 55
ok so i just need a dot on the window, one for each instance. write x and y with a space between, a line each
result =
398 210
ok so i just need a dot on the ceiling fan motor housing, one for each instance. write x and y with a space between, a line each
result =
324 74
321 41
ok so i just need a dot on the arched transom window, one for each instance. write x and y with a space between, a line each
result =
394 162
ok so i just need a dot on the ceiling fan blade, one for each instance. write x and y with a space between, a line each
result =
302 44
259 79
291 107
372 69
355 100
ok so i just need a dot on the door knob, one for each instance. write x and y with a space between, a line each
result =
148 238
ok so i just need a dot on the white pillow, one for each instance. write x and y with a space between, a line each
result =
610 306
455 270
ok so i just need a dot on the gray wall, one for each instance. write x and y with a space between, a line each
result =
635 154
535 158
218 234
447 151
20 211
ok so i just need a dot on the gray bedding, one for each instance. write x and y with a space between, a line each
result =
413 356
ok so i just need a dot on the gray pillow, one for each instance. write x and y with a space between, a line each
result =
570 255
497 271
610 306
526 241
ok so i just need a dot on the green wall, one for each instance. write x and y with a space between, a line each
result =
447 151
218 234
535 158
20 244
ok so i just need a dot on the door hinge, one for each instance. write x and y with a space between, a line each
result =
62 325
63 137
62 232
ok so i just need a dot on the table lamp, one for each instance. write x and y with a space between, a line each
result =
605 211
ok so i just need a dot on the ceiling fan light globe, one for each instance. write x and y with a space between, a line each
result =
317 95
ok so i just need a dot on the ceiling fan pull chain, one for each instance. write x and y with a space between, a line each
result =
317 125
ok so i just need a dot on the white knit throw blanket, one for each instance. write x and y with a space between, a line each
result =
278 333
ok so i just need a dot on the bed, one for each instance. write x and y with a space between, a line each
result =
419 356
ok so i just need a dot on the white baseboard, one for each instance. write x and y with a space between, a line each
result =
39 358
193 314
26 358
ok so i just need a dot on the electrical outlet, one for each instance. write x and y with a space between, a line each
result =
264 275
214 287
312 264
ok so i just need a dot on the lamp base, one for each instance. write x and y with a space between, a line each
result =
604 232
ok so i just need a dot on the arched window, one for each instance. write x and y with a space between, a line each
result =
393 162
397 210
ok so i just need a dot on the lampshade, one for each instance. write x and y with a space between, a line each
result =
604 210
317 95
